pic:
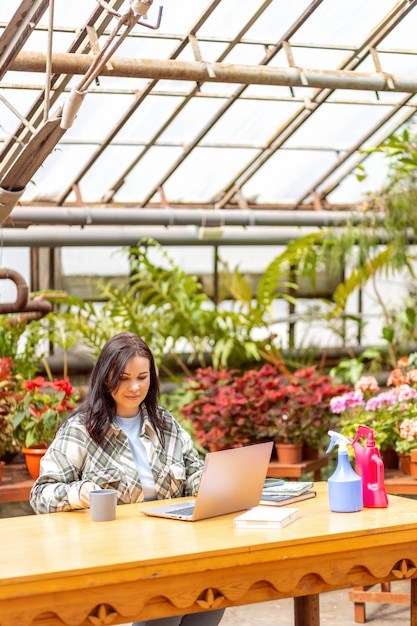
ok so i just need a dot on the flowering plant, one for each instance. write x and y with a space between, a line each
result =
233 408
8 405
391 413
302 412
227 408
42 408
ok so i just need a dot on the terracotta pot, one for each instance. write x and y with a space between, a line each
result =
309 453
413 464
2 464
33 458
390 458
404 460
413 470
289 453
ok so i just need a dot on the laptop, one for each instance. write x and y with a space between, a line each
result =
232 480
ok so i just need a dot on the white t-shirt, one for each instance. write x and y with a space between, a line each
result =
131 426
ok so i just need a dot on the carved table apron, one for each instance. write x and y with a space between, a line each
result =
65 569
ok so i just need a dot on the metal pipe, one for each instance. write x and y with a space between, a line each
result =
85 216
58 236
199 71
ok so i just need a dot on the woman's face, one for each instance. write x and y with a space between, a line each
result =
133 386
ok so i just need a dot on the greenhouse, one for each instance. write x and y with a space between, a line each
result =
208 247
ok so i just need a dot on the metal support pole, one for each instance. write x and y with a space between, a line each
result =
198 71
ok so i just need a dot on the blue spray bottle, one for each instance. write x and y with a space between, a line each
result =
344 485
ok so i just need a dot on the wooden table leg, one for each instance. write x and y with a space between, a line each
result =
413 603
307 611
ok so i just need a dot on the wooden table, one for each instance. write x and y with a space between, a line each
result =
395 483
65 569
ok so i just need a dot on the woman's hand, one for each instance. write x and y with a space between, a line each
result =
85 492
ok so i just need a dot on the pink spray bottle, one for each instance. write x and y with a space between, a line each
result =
370 467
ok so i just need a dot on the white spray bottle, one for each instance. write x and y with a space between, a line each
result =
344 485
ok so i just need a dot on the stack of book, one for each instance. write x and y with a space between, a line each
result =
280 492
263 517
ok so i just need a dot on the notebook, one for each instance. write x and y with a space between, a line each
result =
232 480
262 517
276 500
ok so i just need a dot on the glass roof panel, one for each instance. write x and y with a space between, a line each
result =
105 170
336 125
55 173
193 179
203 138
287 175
146 174
347 23
245 54
229 17
98 115
317 58
276 20
399 63
189 121
148 118
403 36
351 187
248 121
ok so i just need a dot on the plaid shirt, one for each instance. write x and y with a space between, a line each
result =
74 458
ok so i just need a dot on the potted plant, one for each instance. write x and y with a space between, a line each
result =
9 396
42 408
230 408
302 412
390 412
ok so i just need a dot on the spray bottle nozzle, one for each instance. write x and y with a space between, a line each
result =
365 431
339 440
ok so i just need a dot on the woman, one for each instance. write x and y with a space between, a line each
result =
120 438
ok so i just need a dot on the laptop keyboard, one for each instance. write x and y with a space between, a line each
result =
185 510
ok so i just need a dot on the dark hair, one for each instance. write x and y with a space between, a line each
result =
99 406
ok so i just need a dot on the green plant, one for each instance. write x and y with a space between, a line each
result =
20 341
168 307
350 370
42 408
9 395
381 243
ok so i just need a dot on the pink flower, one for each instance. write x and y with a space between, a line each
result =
367 383
412 376
338 404
406 392
387 398
408 429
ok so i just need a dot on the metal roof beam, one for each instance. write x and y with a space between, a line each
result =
120 236
220 72
18 30
85 216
